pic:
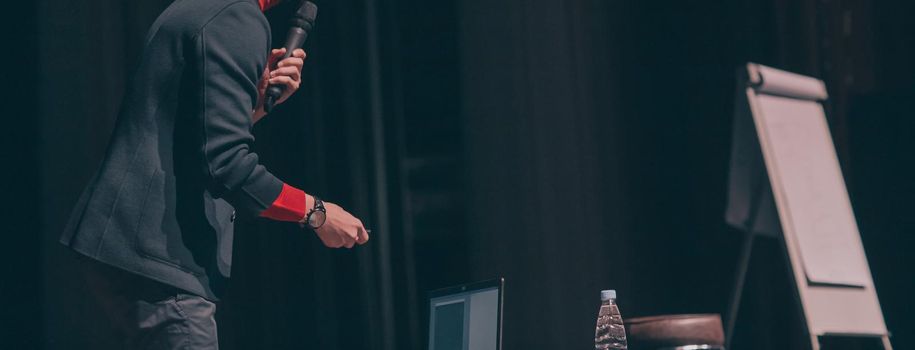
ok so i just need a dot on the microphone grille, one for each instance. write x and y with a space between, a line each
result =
307 11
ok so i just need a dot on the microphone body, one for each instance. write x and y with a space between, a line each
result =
302 21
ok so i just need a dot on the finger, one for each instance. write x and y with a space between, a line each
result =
275 56
352 237
291 62
299 53
281 80
329 242
349 242
291 72
287 81
363 236
341 242
333 244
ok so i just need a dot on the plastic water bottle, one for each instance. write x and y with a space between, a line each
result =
610 333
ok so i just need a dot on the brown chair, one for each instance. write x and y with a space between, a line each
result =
675 332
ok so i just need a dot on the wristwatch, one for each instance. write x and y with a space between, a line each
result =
316 216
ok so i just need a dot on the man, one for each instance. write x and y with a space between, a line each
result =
153 228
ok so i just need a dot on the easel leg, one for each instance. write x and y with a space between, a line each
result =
739 280
886 343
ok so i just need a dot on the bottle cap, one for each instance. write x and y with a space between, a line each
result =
607 294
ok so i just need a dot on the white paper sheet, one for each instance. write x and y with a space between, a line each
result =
810 180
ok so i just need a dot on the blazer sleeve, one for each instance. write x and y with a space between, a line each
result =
233 48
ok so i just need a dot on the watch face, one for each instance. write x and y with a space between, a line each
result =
317 218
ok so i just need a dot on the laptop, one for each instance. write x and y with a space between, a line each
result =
467 317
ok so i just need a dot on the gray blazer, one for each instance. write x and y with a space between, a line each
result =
179 162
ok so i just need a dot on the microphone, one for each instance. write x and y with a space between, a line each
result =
302 21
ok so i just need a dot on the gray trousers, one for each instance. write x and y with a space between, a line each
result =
145 314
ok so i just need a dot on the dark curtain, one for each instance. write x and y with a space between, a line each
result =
20 259
881 145
569 146
597 148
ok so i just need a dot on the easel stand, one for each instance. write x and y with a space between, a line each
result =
786 182
740 278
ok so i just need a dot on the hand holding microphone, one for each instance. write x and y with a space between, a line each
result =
286 73
302 21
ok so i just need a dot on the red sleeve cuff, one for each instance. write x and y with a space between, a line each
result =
288 206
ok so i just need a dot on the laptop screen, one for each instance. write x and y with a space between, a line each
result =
466 317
